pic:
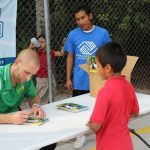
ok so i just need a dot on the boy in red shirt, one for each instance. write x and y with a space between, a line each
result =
116 102
42 74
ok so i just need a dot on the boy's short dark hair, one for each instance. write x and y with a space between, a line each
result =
82 7
113 54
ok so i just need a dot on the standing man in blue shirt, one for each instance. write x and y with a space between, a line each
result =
82 42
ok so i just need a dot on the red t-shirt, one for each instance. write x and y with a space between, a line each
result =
43 72
115 102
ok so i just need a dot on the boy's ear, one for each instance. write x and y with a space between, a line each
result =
108 68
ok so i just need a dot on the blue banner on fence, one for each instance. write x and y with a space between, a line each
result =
8 13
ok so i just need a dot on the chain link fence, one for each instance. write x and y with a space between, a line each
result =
128 22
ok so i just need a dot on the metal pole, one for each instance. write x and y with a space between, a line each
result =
48 47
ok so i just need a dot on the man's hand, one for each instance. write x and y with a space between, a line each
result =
37 111
20 117
69 85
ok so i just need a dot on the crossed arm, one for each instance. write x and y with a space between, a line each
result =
94 126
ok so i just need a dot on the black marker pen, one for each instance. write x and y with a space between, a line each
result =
19 109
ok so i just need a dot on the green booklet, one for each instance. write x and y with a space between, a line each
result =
37 120
73 107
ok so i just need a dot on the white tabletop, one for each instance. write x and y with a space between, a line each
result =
63 125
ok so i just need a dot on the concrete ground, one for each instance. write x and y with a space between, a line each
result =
141 125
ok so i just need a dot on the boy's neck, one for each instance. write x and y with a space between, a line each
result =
114 75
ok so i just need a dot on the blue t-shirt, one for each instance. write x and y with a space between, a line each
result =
81 44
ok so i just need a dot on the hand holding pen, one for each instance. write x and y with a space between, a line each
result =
20 117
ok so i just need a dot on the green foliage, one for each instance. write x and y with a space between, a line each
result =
103 17
148 1
125 24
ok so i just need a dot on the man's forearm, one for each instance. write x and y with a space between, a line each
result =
5 118
35 100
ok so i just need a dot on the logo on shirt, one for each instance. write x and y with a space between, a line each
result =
87 48
20 89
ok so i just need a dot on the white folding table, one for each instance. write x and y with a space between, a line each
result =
63 125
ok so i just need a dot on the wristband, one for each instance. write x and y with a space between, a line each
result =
35 105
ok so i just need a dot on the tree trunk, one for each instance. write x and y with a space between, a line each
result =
39 17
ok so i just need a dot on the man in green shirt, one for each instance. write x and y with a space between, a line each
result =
15 84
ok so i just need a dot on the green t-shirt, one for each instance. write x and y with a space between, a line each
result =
11 97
